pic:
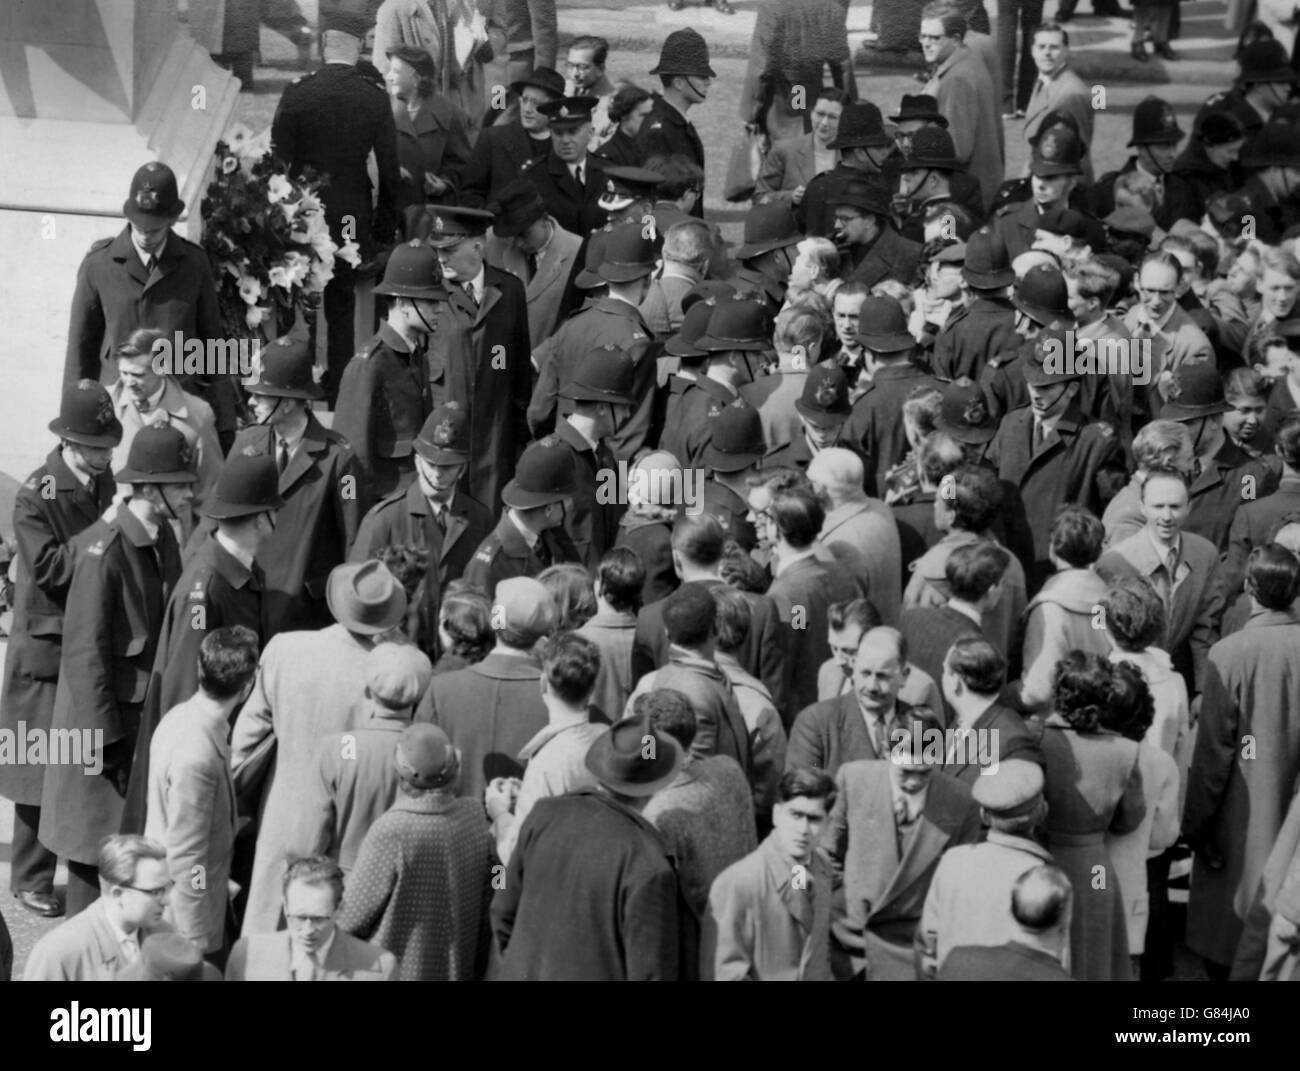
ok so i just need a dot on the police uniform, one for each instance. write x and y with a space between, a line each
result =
573 205
111 632
1220 489
1273 218
875 427
382 402
701 405
973 336
732 512
331 120
505 553
667 132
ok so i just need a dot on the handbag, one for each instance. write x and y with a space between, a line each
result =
743 168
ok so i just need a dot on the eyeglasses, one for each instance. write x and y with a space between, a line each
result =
160 893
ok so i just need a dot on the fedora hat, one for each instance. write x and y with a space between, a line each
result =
920 107
824 402
736 441
634 759
1043 296
284 370
86 416
154 198
861 126
247 484
544 475
628 255
964 413
543 78
1154 123
684 52
769 226
444 438
1195 391
413 272
882 326
932 147
604 374
169 957
365 597
159 454
987 264
518 205
739 324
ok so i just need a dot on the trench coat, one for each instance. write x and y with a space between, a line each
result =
116 603
44 528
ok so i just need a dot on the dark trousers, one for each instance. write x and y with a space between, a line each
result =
33 863
1017 77
1158 953
83 886
1148 18
340 326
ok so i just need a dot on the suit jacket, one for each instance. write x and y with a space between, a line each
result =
767 922
50 508
545 290
833 732
966 95
119 590
1011 962
869 528
591 519
309 685
490 710
890 256
268 957
82 949
192 813
999 733
1225 484
571 204
930 631
884 891
498 156
356 783
478 357
1251 525
789 164
1178 341
1192 626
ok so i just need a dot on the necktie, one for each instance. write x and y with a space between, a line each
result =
149 267
577 174
532 266
542 552
281 456
130 950
1039 435
469 293
440 517
877 736
902 812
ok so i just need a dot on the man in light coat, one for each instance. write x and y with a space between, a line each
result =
191 794
969 902
309 685
768 917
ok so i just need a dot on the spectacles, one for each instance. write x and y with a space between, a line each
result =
160 893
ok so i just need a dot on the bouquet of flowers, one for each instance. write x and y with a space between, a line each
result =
266 236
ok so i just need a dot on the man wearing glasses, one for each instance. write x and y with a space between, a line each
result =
313 948
105 938
585 77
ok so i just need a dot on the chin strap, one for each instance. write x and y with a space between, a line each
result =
270 413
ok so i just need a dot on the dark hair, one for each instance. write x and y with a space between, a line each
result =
1048 26
571 664
1288 440
1077 536
227 661
1135 616
799 514
954 22
1132 709
978 663
1040 898
973 568
699 539
575 598
597 46
622 576
839 96
668 711
139 343
809 783
408 563
421 62
1081 689
625 100
732 619
680 175
938 455
688 615
976 497
318 870
1273 576
859 612
466 617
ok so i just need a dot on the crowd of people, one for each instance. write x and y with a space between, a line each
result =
909 592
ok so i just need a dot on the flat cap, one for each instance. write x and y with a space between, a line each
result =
1010 789
397 674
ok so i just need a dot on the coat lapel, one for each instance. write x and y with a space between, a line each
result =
491 295
456 524
926 846
313 442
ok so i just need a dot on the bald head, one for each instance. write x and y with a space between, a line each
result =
879 670
1040 900
1289 536
840 473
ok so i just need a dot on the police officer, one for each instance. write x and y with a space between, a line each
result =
127 566
331 120
59 500
686 76
735 451
823 409
863 148
570 180
985 325
1273 189
1042 300
530 534
767 254
222 584
864 232
1055 169
321 482
383 398
603 379
613 320
432 512
148 276
1156 136
1050 451
926 182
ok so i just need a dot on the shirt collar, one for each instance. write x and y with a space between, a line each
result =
784 563
530 538
1162 555
144 256
123 939
915 801
477 283
302 962
293 438
238 553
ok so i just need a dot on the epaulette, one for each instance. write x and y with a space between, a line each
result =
370 348
199 592
96 549
658 124
1104 429
387 500
32 484
486 553
1007 209
95 247
337 437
